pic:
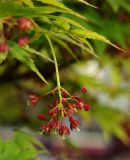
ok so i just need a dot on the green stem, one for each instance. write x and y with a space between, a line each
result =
56 68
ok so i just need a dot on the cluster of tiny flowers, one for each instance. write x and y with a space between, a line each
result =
58 112
23 25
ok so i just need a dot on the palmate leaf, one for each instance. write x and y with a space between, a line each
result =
84 43
88 34
67 37
23 56
73 41
65 45
65 20
92 35
80 33
61 6
17 10
83 32
63 36
31 50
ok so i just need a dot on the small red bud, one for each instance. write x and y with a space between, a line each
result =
87 107
78 98
65 94
73 123
41 117
24 24
84 90
79 105
45 128
3 47
23 41
33 100
51 113
64 130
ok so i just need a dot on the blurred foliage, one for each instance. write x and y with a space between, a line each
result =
21 146
9 104
111 20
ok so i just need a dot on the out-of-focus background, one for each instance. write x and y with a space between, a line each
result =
105 130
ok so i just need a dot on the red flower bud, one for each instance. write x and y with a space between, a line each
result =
41 117
65 94
24 24
78 98
83 89
23 41
33 100
54 124
73 123
3 47
64 130
45 128
87 107
51 113
79 105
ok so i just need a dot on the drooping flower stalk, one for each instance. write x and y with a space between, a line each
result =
56 68
55 116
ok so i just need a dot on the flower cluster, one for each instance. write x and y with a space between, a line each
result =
18 30
32 100
59 111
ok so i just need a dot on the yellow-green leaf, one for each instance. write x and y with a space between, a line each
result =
62 6
28 3
23 56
